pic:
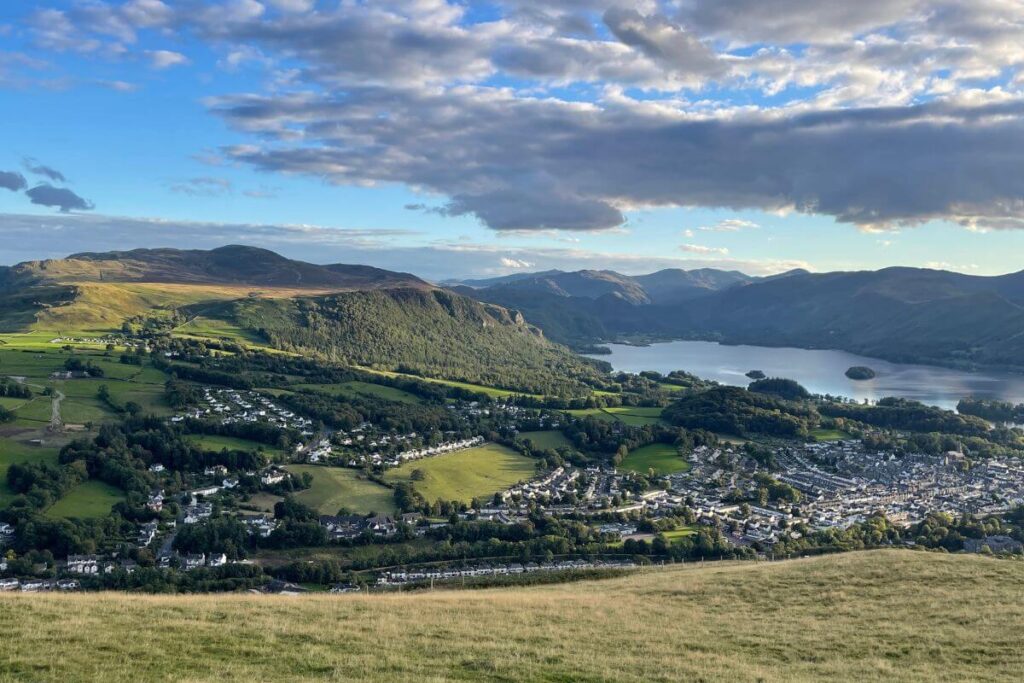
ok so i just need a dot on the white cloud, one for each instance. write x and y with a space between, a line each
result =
730 225
514 263
701 249
164 59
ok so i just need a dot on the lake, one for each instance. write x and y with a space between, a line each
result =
822 372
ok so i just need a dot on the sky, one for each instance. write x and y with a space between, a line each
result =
471 139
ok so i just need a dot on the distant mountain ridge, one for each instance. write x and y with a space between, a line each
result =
233 264
901 314
664 286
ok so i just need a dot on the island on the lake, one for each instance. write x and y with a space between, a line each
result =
860 372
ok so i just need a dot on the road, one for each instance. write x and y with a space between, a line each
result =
55 422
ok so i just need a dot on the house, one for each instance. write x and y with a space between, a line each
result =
156 501
342 526
272 477
157 468
9 584
147 532
229 483
190 562
84 564
382 525
218 560
68 585
208 491
6 533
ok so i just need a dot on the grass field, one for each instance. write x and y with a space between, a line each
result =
217 443
884 615
463 475
676 534
634 416
663 458
550 438
11 452
336 487
90 499
829 434
356 388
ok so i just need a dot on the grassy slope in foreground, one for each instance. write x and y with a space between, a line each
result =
888 615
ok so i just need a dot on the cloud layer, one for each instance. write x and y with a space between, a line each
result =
567 114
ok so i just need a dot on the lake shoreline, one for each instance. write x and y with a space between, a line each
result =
643 341
822 371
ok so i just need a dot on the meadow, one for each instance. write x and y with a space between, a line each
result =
663 458
829 434
217 443
881 615
89 500
463 475
634 416
550 438
337 487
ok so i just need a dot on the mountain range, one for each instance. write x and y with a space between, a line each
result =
352 314
901 314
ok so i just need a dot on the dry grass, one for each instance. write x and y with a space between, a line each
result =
867 616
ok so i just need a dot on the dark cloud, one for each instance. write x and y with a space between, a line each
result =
13 181
33 166
59 197
518 163
665 42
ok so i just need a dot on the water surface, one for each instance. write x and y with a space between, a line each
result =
822 372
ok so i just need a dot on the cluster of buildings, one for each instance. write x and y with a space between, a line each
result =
229 406
407 576
387 461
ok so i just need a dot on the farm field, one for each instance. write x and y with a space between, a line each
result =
884 615
829 434
11 452
663 458
357 388
634 416
90 499
463 475
217 443
337 487
676 534
550 438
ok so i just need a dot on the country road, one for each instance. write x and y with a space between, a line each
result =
55 421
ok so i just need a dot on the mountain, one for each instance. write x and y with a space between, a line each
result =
673 284
664 286
347 313
901 314
98 291
435 333
233 264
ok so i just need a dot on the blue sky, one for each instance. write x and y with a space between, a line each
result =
471 139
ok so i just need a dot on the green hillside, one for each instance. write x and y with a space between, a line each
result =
430 332
883 615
